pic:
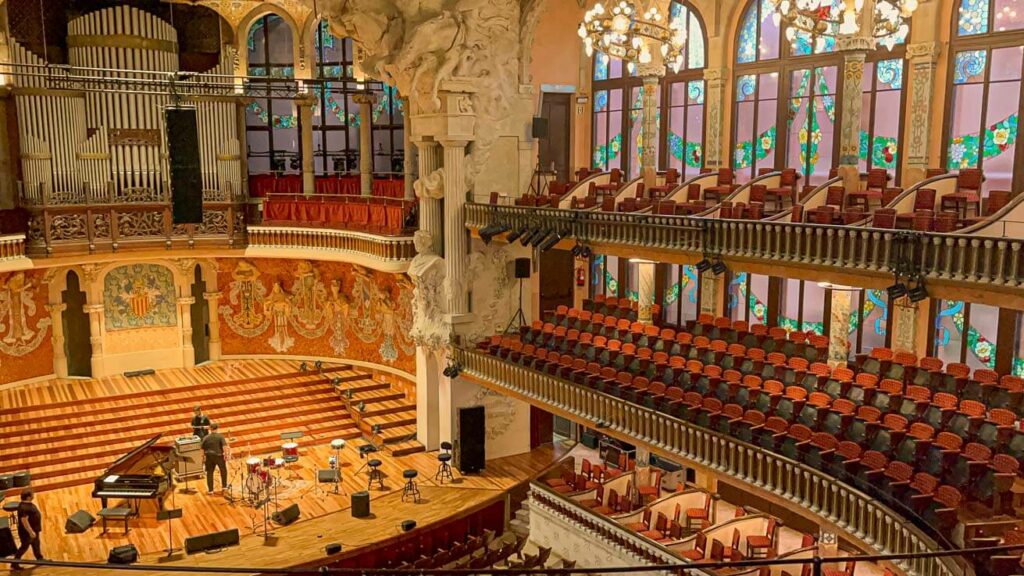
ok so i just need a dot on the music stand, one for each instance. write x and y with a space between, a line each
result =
170 515
266 517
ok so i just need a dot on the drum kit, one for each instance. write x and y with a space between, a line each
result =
262 476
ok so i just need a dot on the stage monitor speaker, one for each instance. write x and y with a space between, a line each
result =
540 128
211 541
361 504
471 439
286 516
332 548
137 373
522 268
408 525
7 547
186 171
126 554
79 522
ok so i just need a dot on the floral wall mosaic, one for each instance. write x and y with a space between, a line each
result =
307 308
26 348
139 296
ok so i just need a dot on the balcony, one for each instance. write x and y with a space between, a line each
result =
963 260
387 253
791 483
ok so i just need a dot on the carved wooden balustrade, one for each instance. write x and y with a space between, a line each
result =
382 248
950 257
12 247
849 509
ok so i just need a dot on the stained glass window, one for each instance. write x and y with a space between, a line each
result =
686 126
812 120
966 332
759 33
272 126
607 129
755 131
881 112
973 17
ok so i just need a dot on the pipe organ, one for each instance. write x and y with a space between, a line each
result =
108 147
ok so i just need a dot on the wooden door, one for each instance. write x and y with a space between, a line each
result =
555 148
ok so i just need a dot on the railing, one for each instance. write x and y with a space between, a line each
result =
383 248
89 228
949 257
848 508
12 247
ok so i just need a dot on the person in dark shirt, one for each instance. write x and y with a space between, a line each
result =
30 524
214 446
200 423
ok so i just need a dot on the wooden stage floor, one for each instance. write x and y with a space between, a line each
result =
325 516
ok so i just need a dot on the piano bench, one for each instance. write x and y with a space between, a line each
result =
11 509
115 514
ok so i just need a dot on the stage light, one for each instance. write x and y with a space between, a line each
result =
515 234
704 265
576 250
586 253
718 268
526 238
487 233
897 290
918 293
550 242
539 236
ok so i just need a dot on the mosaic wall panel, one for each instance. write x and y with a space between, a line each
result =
139 295
26 348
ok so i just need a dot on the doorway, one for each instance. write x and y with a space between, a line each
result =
554 149
75 321
542 427
556 279
200 310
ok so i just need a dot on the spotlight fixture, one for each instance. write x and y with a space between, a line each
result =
576 250
586 252
487 233
303 367
918 293
550 242
897 290
452 370
336 381
526 238
318 365
718 268
539 236
515 234
704 265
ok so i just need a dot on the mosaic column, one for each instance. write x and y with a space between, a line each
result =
366 100
60 360
709 293
923 58
456 240
409 162
305 109
839 327
714 96
431 218
95 312
645 296
188 352
212 301
854 49
649 130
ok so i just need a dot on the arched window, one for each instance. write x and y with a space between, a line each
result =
984 91
272 126
618 114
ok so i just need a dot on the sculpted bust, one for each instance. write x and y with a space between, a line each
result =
427 271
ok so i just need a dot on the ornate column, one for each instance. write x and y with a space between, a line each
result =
212 300
188 352
304 104
456 241
714 98
95 312
60 359
430 189
712 292
366 100
922 57
645 296
409 165
854 49
649 128
429 366
839 326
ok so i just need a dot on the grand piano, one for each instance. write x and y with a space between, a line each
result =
138 475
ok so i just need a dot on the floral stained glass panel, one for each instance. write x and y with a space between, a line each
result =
973 17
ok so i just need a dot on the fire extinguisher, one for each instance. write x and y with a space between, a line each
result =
581 278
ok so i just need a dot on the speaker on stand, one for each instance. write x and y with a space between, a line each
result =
522 272
539 181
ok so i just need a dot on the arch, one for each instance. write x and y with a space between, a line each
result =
983 92
617 115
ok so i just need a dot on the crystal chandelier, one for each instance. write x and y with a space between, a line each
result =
623 32
832 18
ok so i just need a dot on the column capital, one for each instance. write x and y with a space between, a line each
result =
651 73
422 143
716 74
91 309
924 51
213 295
453 143
365 98
56 307
852 45
186 301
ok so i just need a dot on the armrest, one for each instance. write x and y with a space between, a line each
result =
827 453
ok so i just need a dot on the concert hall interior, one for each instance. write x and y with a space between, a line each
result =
417 287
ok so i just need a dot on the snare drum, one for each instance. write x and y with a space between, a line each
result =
252 465
278 462
291 452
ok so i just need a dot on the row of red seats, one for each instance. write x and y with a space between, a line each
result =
368 214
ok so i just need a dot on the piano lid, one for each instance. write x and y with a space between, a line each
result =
132 454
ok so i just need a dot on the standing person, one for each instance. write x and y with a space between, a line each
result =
30 524
200 423
214 446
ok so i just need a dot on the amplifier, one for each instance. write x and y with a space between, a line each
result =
187 443
190 461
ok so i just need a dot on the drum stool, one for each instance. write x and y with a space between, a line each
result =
375 474
444 469
410 486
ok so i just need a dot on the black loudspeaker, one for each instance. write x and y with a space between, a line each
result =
143 372
79 522
471 439
211 541
333 548
286 516
361 504
7 547
186 172
408 525
126 554
522 268
540 128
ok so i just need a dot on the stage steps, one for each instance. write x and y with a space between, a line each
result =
384 414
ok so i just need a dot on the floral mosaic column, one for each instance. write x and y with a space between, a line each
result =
305 110
854 50
714 95
645 296
839 328
649 134
366 101
923 57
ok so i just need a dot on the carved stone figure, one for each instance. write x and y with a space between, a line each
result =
427 271
430 185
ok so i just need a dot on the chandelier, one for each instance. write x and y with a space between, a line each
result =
833 18
624 33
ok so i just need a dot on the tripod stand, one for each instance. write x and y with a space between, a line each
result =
519 319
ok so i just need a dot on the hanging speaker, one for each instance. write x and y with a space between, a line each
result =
522 268
186 171
540 128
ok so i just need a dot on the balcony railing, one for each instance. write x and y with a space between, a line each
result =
848 508
12 247
949 257
381 248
